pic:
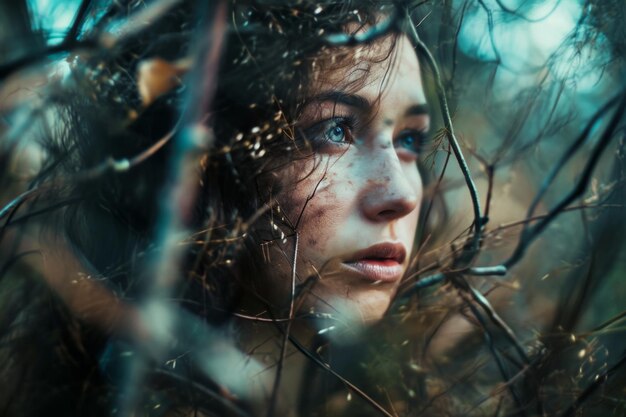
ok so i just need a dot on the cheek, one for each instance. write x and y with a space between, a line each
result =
415 179
320 200
413 176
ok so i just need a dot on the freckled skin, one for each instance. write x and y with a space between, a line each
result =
370 192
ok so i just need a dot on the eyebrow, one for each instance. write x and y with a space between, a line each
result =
417 109
352 100
361 103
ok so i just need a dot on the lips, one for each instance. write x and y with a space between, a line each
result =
379 263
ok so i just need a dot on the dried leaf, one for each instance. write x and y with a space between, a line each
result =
157 76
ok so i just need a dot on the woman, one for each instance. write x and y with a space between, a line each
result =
302 221
330 138
354 201
226 212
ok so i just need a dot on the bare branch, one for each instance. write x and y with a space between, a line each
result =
593 387
287 332
389 25
517 14
326 367
531 234
421 48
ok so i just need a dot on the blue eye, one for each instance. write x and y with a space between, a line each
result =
335 133
408 142
412 141
331 135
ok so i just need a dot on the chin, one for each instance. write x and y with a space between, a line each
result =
357 306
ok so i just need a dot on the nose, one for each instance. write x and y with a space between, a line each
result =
388 193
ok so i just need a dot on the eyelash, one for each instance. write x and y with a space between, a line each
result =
318 135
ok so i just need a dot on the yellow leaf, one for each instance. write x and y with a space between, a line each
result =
156 77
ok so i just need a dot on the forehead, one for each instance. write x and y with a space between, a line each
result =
377 66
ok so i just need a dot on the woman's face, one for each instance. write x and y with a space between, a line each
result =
355 204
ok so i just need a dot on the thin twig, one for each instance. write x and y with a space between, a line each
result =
34 57
206 392
516 13
283 348
110 165
458 153
72 34
490 26
599 381
319 362
180 192
531 234
569 153
495 318
389 25
492 348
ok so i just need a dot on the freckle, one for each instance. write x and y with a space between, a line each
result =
387 179
312 242
317 213
350 164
